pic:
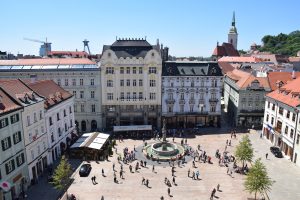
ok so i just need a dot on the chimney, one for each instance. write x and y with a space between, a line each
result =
293 75
33 78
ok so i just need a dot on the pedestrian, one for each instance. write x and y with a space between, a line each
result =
93 180
189 172
102 198
193 176
153 168
267 155
114 166
194 164
102 172
218 187
145 163
169 191
174 180
229 142
147 183
161 198
226 147
226 142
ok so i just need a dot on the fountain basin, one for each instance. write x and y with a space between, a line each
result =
171 149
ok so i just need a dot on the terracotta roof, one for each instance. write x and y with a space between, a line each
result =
48 89
288 94
49 61
7 103
244 79
226 67
226 49
18 90
239 59
68 53
274 77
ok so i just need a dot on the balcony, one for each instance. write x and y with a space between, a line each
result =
192 101
181 101
170 101
213 100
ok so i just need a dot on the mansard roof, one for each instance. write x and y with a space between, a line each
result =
130 47
191 68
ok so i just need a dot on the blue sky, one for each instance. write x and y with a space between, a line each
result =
187 27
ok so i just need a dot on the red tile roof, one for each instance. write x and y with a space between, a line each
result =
288 94
48 89
7 103
274 77
49 61
226 67
16 89
239 59
244 79
226 49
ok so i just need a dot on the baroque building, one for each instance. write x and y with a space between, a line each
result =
191 94
131 83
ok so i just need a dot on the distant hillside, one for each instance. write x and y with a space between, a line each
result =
282 43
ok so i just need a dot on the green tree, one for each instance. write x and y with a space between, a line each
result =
244 150
61 177
257 180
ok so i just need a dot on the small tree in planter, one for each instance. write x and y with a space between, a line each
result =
244 150
61 177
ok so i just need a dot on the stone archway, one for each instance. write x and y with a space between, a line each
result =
83 125
93 125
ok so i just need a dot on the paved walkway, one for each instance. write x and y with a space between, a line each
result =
283 171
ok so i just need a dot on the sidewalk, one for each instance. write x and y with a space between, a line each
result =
283 171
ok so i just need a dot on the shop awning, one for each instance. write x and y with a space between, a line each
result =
133 128
94 140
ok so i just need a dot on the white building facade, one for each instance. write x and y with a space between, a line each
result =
79 76
131 83
13 167
191 94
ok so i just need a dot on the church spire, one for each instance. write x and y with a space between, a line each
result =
233 19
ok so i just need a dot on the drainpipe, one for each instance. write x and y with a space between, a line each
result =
297 111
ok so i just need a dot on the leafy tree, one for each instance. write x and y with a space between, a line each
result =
61 177
257 180
244 150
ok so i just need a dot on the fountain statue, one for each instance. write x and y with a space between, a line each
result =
164 150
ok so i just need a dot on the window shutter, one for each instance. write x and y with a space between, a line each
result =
20 136
6 169
2 143
9 142
6 121
13 164
17 117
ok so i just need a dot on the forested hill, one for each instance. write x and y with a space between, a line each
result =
285 44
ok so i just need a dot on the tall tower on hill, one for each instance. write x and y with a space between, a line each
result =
233 35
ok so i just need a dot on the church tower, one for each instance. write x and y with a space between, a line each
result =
233 35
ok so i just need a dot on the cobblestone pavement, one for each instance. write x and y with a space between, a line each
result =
283 171
186 188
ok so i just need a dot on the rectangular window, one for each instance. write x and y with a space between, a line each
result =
110 83
140 95
267 118
128 95
170 96
92 94
92 81
57 116
82 107
81 81
6 143
14 118
127 70
272 120
122 83
278 127
181 96
58 82
127 82
134 83
28 120
298 138
152 70
74 93
59 132
50 121
152 96
20 159
141 82
65 113
140 70
286 130
110 96
181 108
41 114
93 108
134 70
134 95
152 83
34 117
74 82
121 70
10 166
109 70
70 109
288 114
292 133
66 82
294 117
212 108
280 110
191 108
81 94
268 104
75 107
17 137
122 95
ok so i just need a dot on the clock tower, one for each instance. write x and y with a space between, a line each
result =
233 35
